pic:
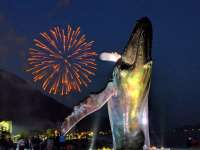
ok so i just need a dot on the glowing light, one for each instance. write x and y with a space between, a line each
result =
105 56
144 120
91 134
63 62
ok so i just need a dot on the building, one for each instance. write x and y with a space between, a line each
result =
6 126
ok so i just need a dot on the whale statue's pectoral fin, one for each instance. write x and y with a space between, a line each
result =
91 104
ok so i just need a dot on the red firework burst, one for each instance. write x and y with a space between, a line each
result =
63 62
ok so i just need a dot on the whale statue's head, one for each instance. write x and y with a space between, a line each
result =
138 50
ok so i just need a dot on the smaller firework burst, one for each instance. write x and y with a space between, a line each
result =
63 62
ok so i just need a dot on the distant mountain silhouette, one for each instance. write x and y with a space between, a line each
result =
27 107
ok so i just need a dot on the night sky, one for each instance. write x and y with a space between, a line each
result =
175 96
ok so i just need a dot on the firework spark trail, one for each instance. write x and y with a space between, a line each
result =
62 61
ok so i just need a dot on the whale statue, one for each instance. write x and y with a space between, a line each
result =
126 94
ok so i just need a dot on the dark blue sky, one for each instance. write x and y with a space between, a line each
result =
175 96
